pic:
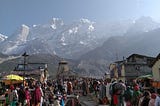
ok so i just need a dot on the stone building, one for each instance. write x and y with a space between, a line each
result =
134 66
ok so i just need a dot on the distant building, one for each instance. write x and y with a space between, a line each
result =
134 66
64 71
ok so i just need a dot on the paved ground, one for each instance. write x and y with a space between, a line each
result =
88 101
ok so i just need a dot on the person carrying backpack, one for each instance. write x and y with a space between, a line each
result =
112 92
128 94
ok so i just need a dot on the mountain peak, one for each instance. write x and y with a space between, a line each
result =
24 32
84 20
24 26
143 24
3 37
55 22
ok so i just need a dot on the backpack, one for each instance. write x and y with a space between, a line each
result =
127 96
112 89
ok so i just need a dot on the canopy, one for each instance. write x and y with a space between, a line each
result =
12 79
145 76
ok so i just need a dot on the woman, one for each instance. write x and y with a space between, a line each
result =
27 97
37 96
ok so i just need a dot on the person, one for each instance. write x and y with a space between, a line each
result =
120 88
37 95
102 92
112 92
62 102
69 88
42 95
107 90
6 100
84 88
56 102
128 94
13 96
157 101
136 96
152 100
146 99
27 96
21 94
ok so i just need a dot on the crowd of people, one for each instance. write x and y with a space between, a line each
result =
35 93
119 93
107 92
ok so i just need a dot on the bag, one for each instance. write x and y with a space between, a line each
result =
127 96
112 89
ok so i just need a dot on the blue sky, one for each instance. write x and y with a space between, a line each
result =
14 13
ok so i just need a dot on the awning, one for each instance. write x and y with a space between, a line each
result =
145 77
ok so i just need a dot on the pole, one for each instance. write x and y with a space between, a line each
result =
24 65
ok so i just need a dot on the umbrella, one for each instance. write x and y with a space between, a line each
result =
12 79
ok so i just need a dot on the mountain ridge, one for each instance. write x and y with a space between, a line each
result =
92 51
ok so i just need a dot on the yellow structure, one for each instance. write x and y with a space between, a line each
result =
156 69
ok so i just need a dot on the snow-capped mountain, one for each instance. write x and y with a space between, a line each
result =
16 42
3 37
143 24
69 40
55 37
